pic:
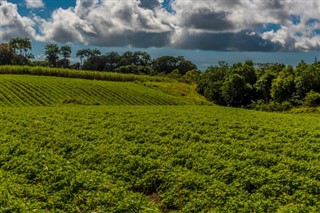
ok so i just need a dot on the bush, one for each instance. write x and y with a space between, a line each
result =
272 106
312 99
192 76
135 69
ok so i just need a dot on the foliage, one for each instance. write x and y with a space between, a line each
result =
211 83
65 51
245 70
52 52
312 99
235 91
167 64
157 159
308 79
135 69
192 76
283 86
270 87
6 56
16 51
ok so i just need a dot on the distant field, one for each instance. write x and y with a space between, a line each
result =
27 90
158 159
81 74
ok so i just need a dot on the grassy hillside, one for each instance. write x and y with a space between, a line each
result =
158 159
27 90
186 91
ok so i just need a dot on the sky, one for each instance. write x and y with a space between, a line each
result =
204 31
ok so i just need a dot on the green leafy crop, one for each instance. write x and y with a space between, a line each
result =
157 159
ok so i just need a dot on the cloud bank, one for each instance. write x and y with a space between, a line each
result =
238 25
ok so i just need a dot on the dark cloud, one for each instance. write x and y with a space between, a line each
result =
132 38
64 35
208 20
277 9
125 14
242 41
274 4
229 4
149 4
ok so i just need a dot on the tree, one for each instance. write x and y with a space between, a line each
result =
14 44
192 76
211 82
25 46
52 52
65 51
135 69
307 79
127 58
184 66
112 60
141 58
312 99
263 86
81 53
93 60
246 70
235 91
86 54
283 87
20 48
165 64
6 55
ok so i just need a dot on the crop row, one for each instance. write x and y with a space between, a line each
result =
158 159
44 91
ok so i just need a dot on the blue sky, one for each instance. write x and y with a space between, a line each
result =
203 31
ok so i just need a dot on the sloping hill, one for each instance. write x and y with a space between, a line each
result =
26 90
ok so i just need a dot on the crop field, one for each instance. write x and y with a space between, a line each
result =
158 159
82 74
26 90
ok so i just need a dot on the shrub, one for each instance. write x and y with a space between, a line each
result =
312 99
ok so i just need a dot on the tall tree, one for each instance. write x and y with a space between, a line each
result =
65 51
20 48
14 44
141 58
283 86
81 53
86 54
112 60
165 64
52 52
25 46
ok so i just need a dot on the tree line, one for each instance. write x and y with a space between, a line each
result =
262 86
18 52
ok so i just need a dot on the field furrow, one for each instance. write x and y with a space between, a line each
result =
24 90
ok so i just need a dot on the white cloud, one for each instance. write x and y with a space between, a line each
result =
12 24
34 4
201 24
108 23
